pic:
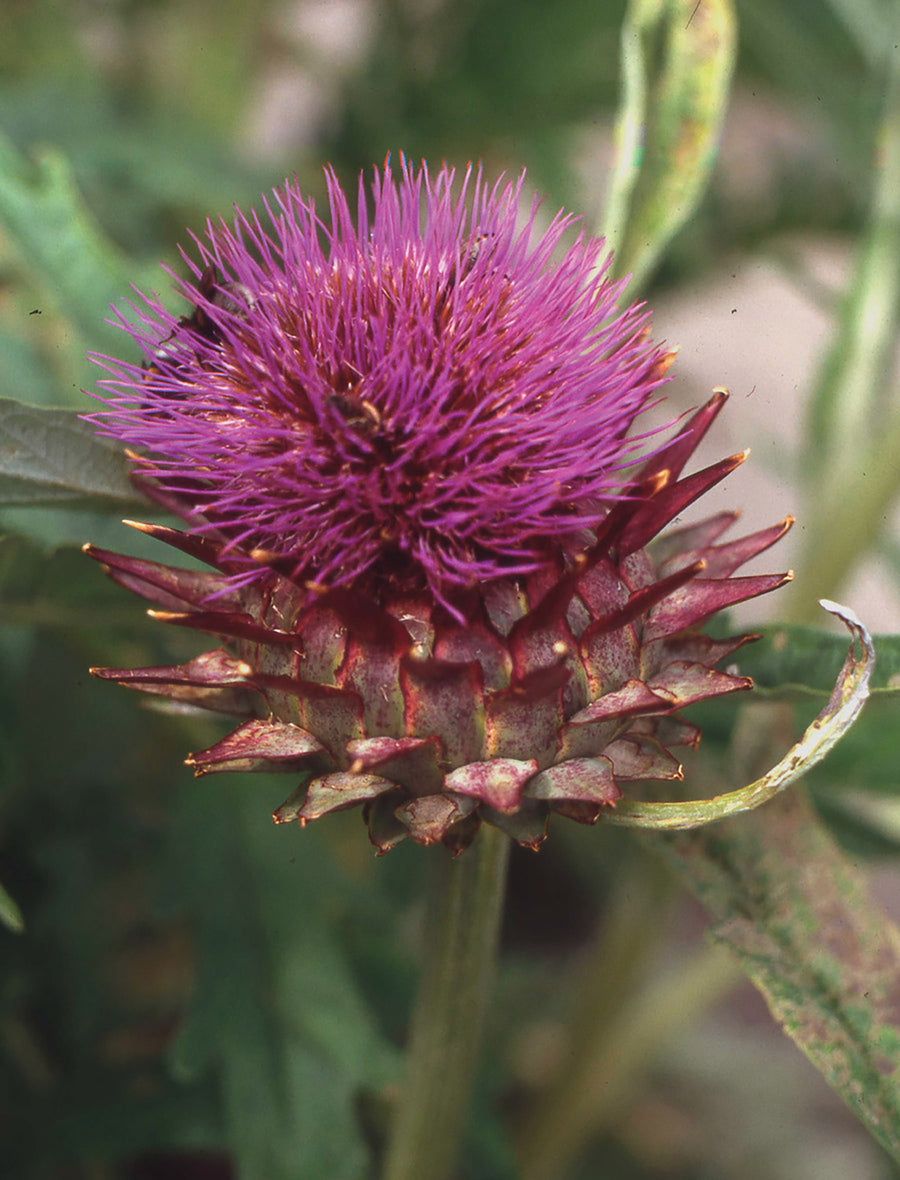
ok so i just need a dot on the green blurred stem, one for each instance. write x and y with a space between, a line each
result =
611 1057
465 905
630 124
849 522
851 398
854 428
555 1126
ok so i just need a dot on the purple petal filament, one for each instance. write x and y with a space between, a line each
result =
424 396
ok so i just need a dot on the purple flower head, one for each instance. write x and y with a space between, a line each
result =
427 397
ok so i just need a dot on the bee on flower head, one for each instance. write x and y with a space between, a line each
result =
234 298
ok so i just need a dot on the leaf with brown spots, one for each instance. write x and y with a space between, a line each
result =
800 919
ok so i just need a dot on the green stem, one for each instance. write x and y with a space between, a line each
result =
463 924
851 396
850 520
554 1125
607 1069
854 424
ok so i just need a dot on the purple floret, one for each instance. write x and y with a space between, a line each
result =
429 396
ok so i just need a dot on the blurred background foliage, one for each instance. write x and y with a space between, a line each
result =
195 993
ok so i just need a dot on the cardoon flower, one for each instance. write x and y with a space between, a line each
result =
403 443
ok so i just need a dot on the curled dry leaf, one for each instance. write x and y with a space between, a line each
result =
847 699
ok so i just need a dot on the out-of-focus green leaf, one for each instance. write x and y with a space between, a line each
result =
857 789
22 374
868 22
122 1122
56 528
864 824
51 457
669 123
791 49
277 1015
134 163
81 817
10 914
792 662
58 244
867 757
499 74
60 588
785 900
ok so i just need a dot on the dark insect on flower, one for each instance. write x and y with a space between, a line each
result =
403 445
200 323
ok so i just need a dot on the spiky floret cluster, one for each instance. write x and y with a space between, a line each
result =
425 397
402 453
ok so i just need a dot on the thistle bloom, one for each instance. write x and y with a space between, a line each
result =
404 446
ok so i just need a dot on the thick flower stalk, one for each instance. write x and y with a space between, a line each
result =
403 443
